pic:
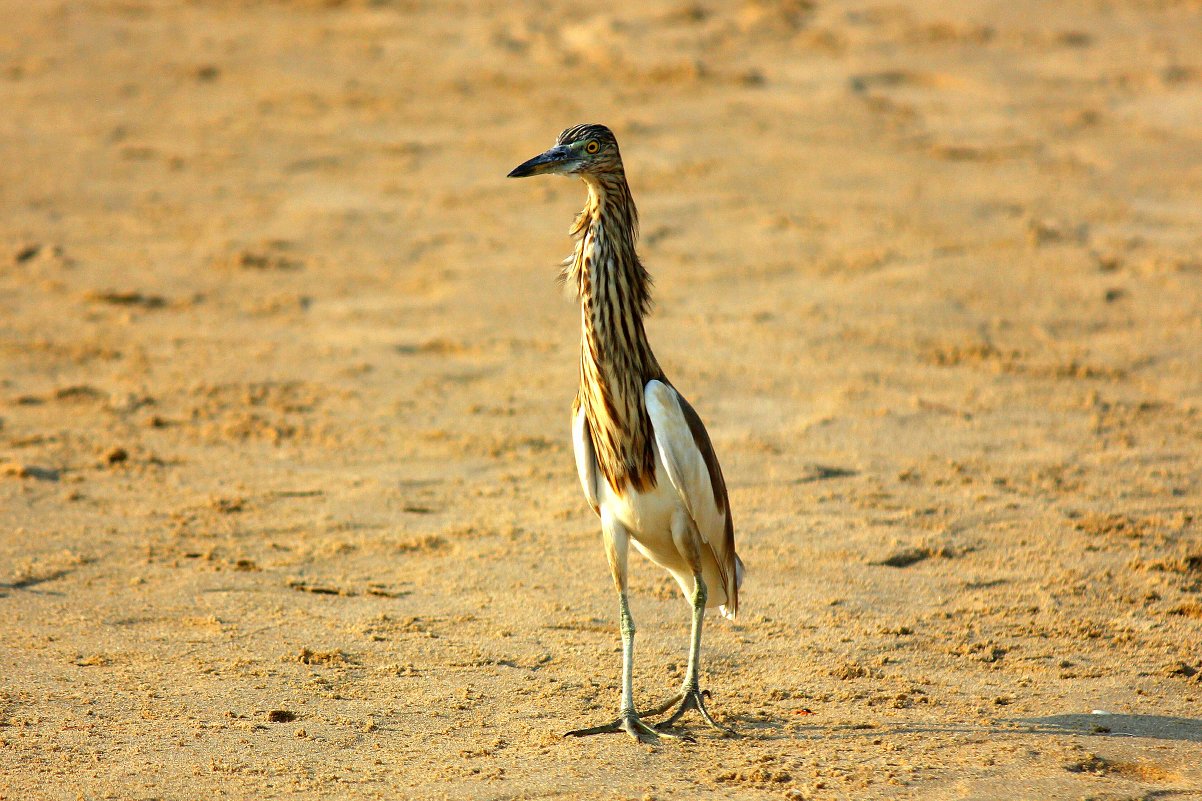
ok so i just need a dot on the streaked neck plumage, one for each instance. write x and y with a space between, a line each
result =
616 361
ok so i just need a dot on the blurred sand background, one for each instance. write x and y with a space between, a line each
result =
287 499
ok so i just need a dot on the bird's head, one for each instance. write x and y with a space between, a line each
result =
581 150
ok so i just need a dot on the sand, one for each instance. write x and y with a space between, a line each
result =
287 499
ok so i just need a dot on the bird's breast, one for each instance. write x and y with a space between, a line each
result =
647 514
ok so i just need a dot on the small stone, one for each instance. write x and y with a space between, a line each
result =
26 252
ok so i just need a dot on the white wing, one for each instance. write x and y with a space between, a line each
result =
688 459
586 459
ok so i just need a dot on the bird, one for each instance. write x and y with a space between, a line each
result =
645 461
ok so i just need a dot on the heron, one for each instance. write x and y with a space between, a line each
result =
644 458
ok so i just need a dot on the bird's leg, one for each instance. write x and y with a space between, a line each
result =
690 695
628 720
687 541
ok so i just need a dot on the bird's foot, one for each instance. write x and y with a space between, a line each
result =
632 724
686 699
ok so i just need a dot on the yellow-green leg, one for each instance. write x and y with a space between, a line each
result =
690 695
616 549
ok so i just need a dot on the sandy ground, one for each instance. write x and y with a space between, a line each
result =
287 499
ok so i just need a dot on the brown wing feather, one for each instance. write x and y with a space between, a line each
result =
728 562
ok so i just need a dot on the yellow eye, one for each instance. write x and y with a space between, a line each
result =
592 147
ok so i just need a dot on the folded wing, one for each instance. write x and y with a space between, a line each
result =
692 466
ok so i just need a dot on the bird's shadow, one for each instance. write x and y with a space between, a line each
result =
1153 727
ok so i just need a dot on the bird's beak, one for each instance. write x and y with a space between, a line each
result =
556 160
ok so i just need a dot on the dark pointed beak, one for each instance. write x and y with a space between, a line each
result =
552 161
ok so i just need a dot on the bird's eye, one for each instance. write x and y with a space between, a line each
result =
592 147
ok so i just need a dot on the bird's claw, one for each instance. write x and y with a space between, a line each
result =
632 724
691 698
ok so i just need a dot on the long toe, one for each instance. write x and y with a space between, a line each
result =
694 699
639 730
613 727
664 707
633 725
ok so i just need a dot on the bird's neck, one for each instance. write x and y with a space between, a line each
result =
616 360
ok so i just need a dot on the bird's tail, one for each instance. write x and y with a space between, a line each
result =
730 610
